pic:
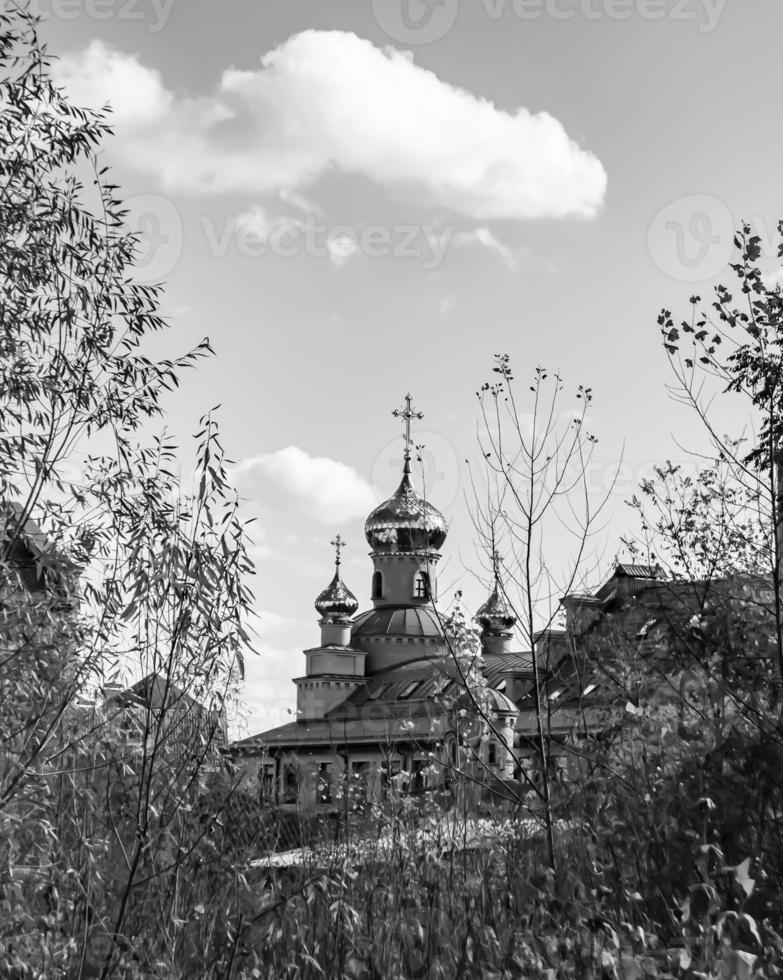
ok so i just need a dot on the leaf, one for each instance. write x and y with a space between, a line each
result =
743 964
741 874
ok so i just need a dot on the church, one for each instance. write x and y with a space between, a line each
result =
379 695
386 700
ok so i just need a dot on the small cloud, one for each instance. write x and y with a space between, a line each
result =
341 248
485 238
322 489
300 202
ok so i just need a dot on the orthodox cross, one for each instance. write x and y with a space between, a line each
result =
338 544
408 414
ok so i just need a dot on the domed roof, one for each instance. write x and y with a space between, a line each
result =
501 702
489 698
406 522
495 616
336 601
411 621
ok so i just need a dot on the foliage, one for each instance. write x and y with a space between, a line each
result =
111 574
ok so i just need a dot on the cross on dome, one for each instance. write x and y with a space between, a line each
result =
338 544
406 522
408 414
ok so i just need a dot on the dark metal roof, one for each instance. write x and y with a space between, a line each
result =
497 666
397 621
378 726
636 571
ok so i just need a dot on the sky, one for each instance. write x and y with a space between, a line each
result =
354 199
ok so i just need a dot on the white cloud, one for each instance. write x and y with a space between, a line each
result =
322 489
329 100
101 76
341 248
262 225
299 201
485 238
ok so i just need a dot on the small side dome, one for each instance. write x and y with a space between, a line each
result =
336 603
406 522
495 616
501 703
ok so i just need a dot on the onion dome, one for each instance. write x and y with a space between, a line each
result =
336 602
406 522
495 616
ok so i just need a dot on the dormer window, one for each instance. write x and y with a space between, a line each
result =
377 585
421 586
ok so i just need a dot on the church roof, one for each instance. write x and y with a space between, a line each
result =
498 666
402 703
398 621
382 726
336 600
405 522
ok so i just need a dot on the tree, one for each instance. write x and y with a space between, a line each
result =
111 573
734 348
684 801
535 489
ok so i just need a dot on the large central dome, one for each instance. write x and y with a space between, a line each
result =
406 522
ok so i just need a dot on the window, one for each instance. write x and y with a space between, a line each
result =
290 784
377 585
417 782
492 754
421 586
